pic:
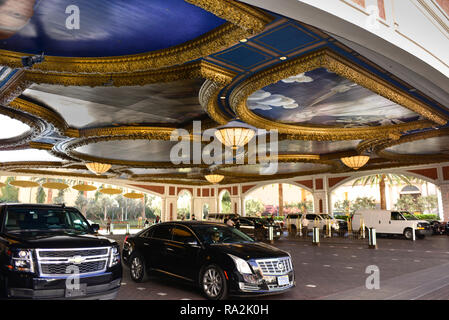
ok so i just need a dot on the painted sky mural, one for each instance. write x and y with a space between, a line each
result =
321 97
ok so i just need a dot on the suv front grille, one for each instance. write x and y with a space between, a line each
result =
71 253
61 262
275 266
61 268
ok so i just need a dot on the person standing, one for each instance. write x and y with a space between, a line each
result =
305 225
158 219
108 225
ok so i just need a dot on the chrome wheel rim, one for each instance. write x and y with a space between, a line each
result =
136 268
212 282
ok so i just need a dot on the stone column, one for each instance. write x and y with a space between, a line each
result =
444 201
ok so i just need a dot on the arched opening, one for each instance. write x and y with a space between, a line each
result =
184 205
225 203
277 200
96 206
388 191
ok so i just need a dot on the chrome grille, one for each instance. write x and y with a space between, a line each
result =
61 268
56 262
275 266
71 253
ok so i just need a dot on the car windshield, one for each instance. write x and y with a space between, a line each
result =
326 216
409 216
44 219
219 234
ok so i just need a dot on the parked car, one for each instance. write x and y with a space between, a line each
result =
391 222
438 227
220 217
42 245
258 228
219 259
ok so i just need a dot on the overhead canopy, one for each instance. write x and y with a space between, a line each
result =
115 90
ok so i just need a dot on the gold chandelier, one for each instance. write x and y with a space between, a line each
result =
235 134
214 178
355 162
98 168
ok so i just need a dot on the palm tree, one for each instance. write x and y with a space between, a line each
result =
381 179
281 200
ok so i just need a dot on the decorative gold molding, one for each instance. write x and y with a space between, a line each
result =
381 149
40 145
192 70
246 17
36 128
208 97
40 112
331 61
243 22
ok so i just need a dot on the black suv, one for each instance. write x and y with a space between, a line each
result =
51 252
220 259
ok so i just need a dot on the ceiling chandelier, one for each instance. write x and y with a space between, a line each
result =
355 162
98 168
214 178
235 134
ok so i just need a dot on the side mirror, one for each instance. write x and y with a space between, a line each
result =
95 227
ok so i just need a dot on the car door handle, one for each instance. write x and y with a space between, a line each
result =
170 249
146 244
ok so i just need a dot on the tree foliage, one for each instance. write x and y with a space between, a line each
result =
254 207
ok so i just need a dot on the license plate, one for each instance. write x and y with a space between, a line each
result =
283 280
76 292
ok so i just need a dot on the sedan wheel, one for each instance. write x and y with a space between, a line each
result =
213 283
137 268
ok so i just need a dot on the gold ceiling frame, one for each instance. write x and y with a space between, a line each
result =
40 112
36 128
243 21
325 58
208 97
191 70
382 152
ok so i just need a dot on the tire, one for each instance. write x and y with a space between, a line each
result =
213 283
408 234
137 268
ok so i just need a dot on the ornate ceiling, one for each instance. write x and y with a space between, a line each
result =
114 90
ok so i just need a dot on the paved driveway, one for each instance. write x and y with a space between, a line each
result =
337 270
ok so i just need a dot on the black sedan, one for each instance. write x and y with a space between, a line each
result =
220 259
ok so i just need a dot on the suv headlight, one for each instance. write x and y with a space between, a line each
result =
241 265
22 260
114 258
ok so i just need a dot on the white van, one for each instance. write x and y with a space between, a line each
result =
391 222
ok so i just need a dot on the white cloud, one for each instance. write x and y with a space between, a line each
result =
264 100
300 78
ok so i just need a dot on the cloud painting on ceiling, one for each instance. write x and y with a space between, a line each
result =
321 97
82 107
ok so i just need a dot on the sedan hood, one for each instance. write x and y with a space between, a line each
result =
254 250
57 239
